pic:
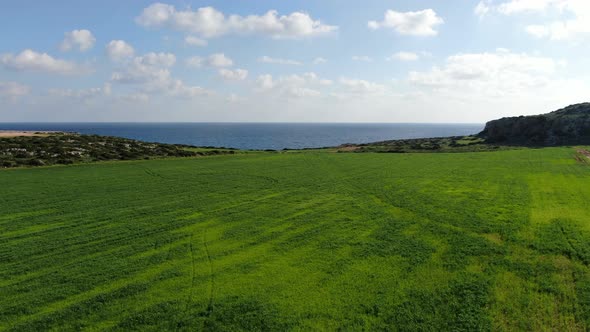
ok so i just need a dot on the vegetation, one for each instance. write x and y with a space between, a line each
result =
570 125
300 241
437 144
61 148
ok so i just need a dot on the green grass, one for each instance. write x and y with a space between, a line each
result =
299 241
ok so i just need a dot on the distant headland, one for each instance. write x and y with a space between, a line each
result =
567 126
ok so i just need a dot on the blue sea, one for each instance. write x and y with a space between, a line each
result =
276 136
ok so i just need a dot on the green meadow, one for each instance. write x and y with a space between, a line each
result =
299 242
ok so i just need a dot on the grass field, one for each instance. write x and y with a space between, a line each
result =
299 241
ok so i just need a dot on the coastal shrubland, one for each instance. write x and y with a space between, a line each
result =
69 148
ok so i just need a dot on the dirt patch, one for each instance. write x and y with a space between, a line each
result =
584 152
348 148
13 133
582 156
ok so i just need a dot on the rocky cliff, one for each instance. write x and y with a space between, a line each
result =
567 126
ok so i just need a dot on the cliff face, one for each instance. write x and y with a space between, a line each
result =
567 126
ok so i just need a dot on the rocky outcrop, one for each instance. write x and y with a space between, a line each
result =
567 126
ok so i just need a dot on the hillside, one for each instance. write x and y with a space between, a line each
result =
567 126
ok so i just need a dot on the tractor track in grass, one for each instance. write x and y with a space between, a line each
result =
209 309
576 254
152 173
193 273
211 279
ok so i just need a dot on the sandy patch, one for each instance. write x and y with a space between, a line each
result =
348 148
15 133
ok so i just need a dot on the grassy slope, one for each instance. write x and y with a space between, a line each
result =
497 240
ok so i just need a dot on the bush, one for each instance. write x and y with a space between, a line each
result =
65 161
8 163
36 162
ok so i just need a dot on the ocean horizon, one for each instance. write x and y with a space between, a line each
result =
255 136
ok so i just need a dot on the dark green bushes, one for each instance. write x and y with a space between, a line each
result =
66 149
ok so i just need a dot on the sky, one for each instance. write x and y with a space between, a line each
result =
410 61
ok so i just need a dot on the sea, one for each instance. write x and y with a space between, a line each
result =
258 136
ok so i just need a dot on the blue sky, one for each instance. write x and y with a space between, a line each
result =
291 61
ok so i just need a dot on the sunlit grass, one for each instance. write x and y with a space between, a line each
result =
299 241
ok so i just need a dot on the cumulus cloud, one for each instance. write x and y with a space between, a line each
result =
208 22
418 23
363 58
233 75
405 56
220 60
217 60
150 68
233 98
574 21
292 86
29 60
279 61
118 50
522 6
82 95
362 87
135 98
82 40
497 74
13 91
482 8
157 59
194 41
195 62
150 72
319 61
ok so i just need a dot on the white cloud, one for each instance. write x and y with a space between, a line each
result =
82 94
267 59
140 74
194 41
233 75
319 61
29 60
265 82
522 6
497 74
362 87
146 69
135 98
12 90
405 56
157 59
234 98
208 22
83 40
292 86
194 62
574 22
482 8
118 50
218 60
419 23
177 88
363 58
538 31
150 72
